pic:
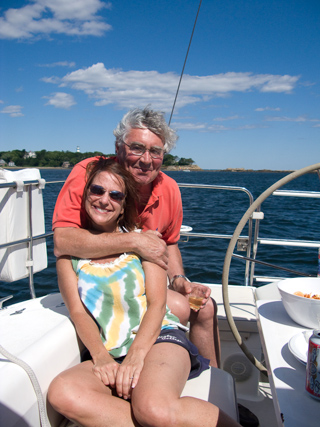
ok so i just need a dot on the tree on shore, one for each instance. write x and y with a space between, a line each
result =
44 158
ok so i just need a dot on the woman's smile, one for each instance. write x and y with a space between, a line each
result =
102 204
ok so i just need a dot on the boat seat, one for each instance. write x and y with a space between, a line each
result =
39 333
216 386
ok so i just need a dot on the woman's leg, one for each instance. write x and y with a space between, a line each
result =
156 399
178 305
80 396
204 331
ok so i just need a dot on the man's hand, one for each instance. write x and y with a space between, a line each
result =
152 248
185 287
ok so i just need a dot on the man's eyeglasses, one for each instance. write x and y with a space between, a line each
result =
139 149
97 190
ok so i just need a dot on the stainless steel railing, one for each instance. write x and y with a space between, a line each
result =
30 238
248 243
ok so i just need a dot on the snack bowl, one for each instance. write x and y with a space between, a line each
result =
304 311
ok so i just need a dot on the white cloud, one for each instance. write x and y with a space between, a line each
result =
291 119
267 109
52 79
127 89
204 127
217 128
60 100
189 126
279 84
59 64
223 119
44 17
242 82
13 110
250 127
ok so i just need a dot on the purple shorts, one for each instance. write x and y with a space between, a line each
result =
177 336
174 336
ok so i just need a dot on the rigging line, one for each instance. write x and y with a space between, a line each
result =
273 266
185 61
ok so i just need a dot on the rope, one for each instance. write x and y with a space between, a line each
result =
185 61
267 264
35 383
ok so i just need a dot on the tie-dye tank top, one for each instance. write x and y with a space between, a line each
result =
114 293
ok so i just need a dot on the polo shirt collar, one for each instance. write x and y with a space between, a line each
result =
156 190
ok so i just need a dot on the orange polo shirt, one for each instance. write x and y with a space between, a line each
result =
163 211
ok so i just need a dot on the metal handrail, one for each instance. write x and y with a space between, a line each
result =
297 193
26 240
256 239
282 242
225 236
251 241
14 184
30 238
287 242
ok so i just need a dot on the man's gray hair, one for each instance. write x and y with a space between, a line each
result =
146 119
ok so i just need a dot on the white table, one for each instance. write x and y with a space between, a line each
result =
286 374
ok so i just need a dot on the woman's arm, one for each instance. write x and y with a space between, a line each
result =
103 364
150 327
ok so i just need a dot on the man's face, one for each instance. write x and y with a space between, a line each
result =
144 168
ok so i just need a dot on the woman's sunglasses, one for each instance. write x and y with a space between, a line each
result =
97 190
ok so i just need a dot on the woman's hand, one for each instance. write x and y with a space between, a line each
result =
128 374
106 369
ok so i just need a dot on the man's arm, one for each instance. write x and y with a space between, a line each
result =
83 243
175 268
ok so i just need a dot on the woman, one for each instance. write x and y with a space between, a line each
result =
137 348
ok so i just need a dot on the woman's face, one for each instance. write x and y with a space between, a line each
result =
104 201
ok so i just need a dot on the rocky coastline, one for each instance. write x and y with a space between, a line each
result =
196 168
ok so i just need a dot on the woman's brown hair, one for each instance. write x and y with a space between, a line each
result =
128 219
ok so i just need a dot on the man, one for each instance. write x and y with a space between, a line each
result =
142 139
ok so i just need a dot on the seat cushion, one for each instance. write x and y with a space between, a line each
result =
216 386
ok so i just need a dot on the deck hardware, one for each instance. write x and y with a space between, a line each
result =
19 186
257 215
242 244
2 300
17 312
62 304
42 183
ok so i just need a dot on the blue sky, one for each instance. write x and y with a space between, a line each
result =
249 98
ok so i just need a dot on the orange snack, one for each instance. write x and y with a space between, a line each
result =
301 294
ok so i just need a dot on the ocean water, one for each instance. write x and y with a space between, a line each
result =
216 212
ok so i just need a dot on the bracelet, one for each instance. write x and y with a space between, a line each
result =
176 277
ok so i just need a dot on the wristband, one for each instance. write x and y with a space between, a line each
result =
177 276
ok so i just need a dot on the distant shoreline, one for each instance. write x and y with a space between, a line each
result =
196 168
193 168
